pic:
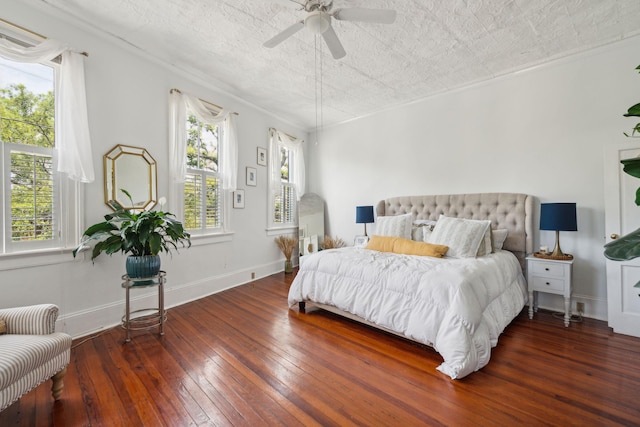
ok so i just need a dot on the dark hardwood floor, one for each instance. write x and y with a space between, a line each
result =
240 357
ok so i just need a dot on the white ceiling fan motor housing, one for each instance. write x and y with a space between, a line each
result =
317 21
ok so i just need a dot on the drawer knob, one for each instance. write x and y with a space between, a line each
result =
614 236
546 268
547 283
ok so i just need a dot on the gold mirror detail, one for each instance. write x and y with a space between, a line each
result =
134 170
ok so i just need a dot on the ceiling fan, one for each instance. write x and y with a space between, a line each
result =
318 21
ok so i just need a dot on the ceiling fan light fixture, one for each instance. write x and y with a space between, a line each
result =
317 22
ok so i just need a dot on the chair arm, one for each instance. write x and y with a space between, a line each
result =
31 320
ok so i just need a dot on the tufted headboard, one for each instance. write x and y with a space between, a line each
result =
512 211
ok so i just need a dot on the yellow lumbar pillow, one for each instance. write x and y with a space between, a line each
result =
399 245
381 243
3 327
410 247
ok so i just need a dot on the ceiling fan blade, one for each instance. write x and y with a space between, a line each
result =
333 43
380 16
280 37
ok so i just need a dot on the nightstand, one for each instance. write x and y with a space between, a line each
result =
550 276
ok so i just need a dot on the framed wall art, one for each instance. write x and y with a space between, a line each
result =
238 199
262 156
252 178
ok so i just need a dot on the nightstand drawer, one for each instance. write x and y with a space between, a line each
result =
547 269
547 284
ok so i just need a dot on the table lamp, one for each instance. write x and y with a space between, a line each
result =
558 217
364 215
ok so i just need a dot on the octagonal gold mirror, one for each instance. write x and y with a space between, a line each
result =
134 170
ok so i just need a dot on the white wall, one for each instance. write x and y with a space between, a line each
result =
541 131
128 104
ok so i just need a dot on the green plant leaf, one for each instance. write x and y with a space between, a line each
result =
155 243
624 248
633 111
632 166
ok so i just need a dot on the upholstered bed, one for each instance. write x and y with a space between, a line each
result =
460 303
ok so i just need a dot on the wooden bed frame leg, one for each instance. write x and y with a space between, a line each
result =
58 384
302 306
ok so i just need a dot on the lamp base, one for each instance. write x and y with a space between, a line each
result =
557 252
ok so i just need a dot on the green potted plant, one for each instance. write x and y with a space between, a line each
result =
628 246
142 235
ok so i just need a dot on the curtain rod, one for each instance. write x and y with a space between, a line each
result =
33 33
288 134
206 102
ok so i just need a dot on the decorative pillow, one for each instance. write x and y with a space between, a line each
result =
397 226
399 245
462 236
381 243
486 247
499 236
3 327
420 228
409 247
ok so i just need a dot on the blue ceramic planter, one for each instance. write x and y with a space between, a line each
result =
143 266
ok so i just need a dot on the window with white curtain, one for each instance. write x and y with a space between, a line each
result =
286 172
30 182
203 163
39 207
203 200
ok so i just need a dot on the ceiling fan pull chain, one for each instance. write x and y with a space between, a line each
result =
321 93
315 87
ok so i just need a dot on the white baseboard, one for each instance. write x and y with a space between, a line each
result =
87 322
594 308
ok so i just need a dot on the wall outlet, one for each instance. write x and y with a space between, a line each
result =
580 307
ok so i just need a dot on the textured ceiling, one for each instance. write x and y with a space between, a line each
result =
433 46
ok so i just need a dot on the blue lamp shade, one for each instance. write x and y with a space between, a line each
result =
558 217
364 215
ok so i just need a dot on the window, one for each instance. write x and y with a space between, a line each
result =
28 171
284 194
202 186
287 178
45 146
203 164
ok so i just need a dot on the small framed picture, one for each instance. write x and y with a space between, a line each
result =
252 178
238 199
360 241
262 156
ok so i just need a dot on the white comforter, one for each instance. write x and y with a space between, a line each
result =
458 306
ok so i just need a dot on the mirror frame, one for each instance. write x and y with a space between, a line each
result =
113 197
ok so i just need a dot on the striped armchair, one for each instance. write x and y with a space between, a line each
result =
31 352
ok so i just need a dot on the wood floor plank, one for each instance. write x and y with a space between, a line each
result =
242 357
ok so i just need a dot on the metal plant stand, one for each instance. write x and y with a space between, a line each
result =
145 318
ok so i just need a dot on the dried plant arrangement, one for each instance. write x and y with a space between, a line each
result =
332 242
287 244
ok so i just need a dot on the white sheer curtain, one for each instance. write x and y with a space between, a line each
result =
297 178
73 141
179 105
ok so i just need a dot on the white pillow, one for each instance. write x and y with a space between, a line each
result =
396 226
499 236
462 236
421 228
486 246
